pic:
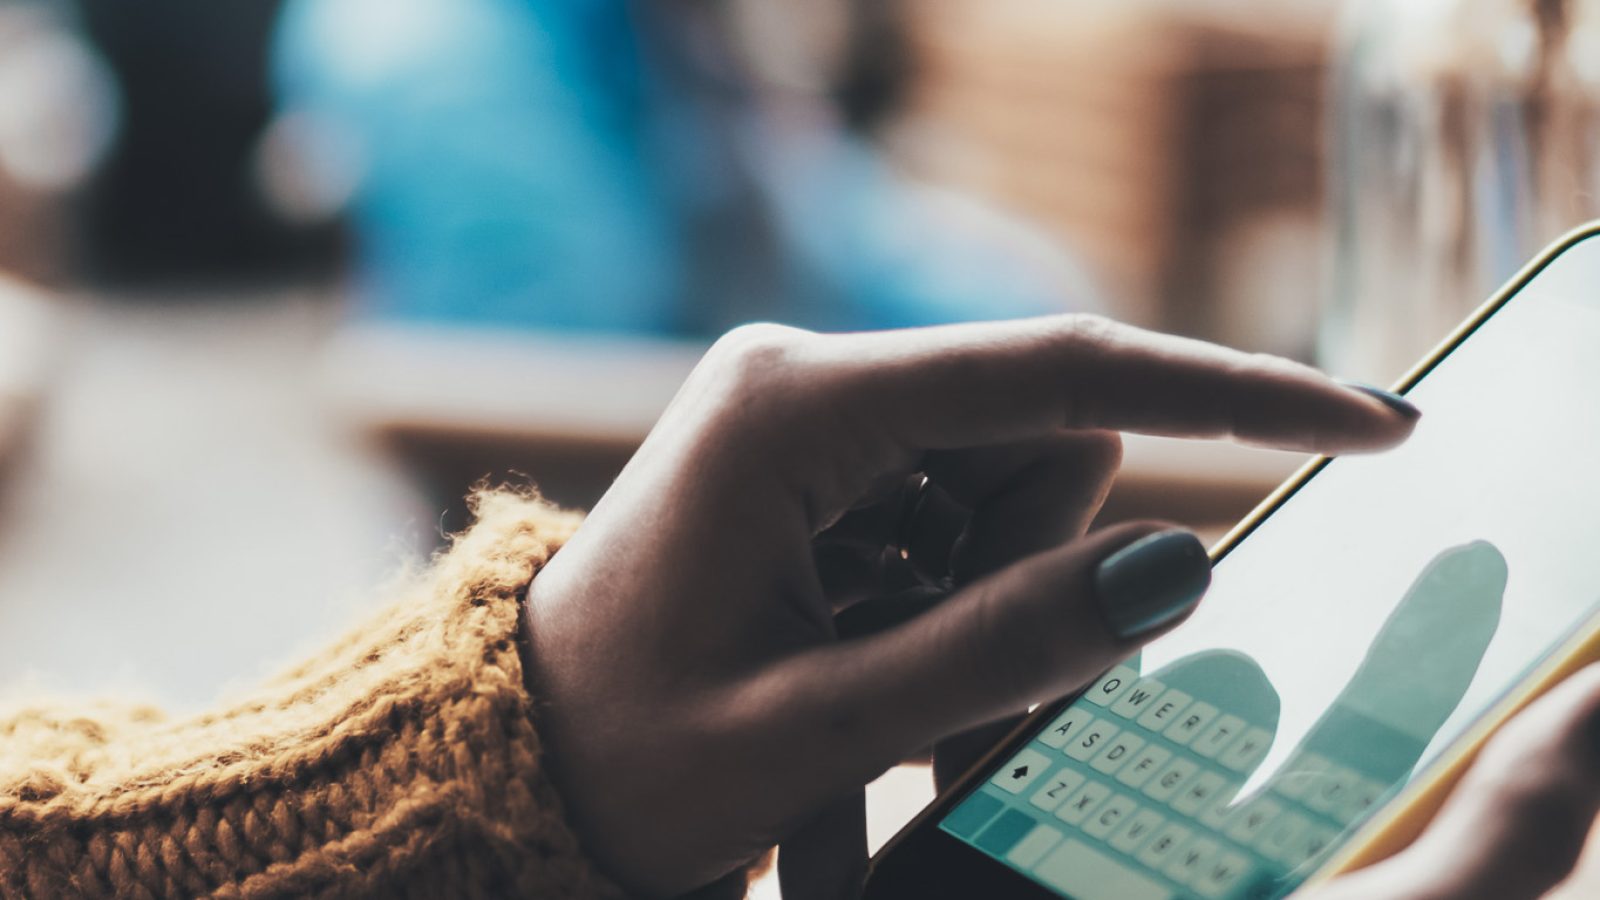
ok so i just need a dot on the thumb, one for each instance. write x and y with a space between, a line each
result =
1517 823
1036 630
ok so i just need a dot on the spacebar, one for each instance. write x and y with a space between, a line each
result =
1087 874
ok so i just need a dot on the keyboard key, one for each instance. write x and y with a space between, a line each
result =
1082 802
1220 813
973 813
1248 751
1279 840
1222 732
1185 727
1057 788
1109 816
1200 790
1363 797
1118 753
1255 816
1092 739
1167 839
1164 785
1111 686
1165 710
1138 829
1041 840
1185 865
1221 875
1329 793
1065 726
1087 874
1004 833
1145 763
1016 775
1312 843
1138 698
1299 774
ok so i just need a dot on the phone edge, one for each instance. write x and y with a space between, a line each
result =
1404 816
1409 813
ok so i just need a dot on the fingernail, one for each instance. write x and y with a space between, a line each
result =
1151 581
1388 398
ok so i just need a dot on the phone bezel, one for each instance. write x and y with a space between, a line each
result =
923 861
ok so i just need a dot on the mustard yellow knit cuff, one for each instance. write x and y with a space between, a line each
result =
401 761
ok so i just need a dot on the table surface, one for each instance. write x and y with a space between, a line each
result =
611 389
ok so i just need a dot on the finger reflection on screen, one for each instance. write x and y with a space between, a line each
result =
1412 678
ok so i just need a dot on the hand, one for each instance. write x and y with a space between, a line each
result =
697 700
1513 829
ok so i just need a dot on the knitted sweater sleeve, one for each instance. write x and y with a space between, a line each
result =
400 762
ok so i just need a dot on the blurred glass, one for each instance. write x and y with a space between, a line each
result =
1465 137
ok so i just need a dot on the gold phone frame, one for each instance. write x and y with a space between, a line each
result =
1404 817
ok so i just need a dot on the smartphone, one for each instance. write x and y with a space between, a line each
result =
1366 628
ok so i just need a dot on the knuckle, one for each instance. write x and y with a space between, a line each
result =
1266 363
1083 347
1010 676
1270 367
756 351
828 711
1090 331
753 367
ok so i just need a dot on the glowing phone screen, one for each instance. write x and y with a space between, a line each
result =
1345 643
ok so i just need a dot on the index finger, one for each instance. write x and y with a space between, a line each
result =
962 385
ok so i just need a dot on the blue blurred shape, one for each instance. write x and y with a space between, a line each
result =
578 165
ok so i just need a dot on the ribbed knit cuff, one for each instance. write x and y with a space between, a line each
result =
401 761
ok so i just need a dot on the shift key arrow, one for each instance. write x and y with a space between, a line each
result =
1020 770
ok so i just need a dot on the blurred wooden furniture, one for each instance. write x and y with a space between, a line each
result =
1178 148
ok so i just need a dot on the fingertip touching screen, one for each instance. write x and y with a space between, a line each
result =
1346 642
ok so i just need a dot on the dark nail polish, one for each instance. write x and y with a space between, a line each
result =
1151 581
1388 398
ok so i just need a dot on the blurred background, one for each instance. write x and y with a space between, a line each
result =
281 279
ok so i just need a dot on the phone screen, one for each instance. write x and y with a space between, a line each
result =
1346 641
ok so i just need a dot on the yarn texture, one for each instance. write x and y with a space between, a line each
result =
402 761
